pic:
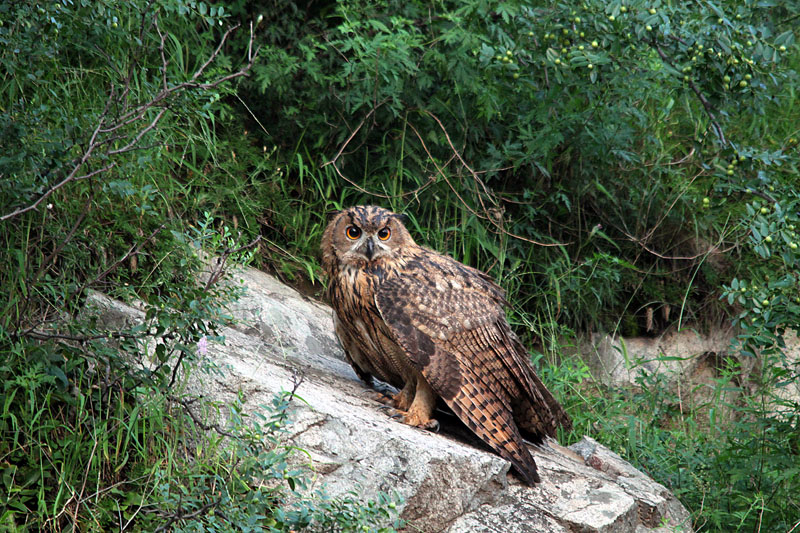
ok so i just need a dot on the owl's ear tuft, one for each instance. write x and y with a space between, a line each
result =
330 215
402 217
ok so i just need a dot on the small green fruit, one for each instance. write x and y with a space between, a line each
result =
726 79
580 47
764 210
611 18
623 9
590 66
782 48
742 84
730 172
648 27
516 75
765 302
652 11
706 200
767 239
793 245
741 158
595 44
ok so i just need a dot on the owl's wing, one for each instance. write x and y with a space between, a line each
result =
449 318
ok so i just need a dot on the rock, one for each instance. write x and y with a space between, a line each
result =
691 363
449 481
619 361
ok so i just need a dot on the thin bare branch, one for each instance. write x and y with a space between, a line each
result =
709 109
130 116
139 136
217 272
133 250
353 134
214 55
71 176
487 213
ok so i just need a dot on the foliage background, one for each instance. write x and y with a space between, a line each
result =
626 167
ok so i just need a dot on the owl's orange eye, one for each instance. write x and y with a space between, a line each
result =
353 233
384 234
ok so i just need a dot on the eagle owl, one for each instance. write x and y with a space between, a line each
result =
434 328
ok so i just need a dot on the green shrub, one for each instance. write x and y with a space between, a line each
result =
607 162
109 162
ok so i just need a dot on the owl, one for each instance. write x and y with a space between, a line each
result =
434 329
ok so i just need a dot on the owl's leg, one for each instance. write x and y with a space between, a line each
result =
419 412
403 399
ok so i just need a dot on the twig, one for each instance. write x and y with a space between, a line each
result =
141 134
130 116
353 134
216 274
179 515
133 250
486 215
71 176
186 404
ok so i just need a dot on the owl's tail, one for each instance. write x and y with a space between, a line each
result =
483 412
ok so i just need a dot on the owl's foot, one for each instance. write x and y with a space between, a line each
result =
431 425
400 401
414 419
380 397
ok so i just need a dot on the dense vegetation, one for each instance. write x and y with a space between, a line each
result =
626 167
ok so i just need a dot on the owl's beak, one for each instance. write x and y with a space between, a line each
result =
369 249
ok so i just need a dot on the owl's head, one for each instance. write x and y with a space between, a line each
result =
363 234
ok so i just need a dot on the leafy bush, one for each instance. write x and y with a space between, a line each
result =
608 162
109 159
509 124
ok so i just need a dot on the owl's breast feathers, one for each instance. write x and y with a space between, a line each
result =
366 339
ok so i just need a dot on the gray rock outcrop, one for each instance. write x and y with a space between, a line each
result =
448 481
691 362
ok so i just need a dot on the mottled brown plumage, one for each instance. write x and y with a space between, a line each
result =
434 328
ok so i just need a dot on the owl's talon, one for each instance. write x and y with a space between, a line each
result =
432 425
380 397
